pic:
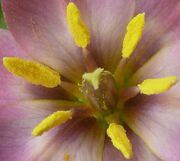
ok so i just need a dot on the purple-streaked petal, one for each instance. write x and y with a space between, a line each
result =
140 151
166 20
40 27
78 139
156 120
107 21
75 138
111 153
162 27
11 86
8 46
14 88
164 63
16 122
19 115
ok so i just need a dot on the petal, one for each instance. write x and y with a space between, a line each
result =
168 18
42 31
15 88
77 141
107 21
111 153
16 123
18 120
140 151
164 63
156 120
8 46
162 27
18 117
10 84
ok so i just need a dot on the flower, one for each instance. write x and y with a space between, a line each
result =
94 80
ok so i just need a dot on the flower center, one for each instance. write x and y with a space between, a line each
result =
100 87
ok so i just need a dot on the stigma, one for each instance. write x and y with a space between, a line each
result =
94 77
99 88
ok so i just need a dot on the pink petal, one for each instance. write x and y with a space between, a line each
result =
140 151
19 115
14 88
10 85
107 21
167 19
8 46
164 63
156 120
39 26
162 27
111 153
16 123
81 140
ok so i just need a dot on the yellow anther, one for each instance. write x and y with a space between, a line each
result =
120 140
52 121
32 71
157 86
94 77
133 35
77 27
67 156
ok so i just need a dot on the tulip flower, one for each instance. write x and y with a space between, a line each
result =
89 80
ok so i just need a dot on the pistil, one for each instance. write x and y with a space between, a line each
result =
99 87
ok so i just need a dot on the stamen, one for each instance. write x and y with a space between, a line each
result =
120 140
134 32
32 71
77 27
157 86
67 156
93 78
52 121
